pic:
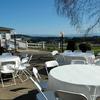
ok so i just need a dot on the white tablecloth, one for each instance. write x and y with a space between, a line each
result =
88 56
9 58
77 78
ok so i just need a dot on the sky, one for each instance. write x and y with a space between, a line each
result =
35 18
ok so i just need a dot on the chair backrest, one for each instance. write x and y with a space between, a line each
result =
23 55
36 74
7 67
60 59
39 87
98 98
25 60
77 51
54 52
98 54
67 51
78 62
30 58
52 63
68 59
6 54
63 95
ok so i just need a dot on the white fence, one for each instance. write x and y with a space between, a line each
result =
40 45
19 44
43 45
23 45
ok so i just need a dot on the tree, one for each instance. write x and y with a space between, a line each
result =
79 11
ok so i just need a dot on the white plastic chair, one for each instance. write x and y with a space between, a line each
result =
42 83
66 95
67 52
6 54
36 74
48 95
68 59
26 61
22 70
7 69
50 64
98 54
23 55
60 59
78 62
97 62
77 51
54 52
90 51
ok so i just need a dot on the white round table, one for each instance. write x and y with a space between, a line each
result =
88 56
75 78
10 58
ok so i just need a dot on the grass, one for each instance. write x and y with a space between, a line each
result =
96 49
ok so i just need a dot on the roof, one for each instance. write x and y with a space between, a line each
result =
6 28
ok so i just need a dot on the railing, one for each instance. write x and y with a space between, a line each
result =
39 45
45 46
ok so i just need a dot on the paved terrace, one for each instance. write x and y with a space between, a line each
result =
27 90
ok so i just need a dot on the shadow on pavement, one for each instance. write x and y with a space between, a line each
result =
30 96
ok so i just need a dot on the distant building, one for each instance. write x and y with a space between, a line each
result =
5 36
9 41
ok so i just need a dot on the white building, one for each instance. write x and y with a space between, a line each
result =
5 36
10 43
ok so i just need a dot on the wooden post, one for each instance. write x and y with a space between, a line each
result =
15 42
43 45
61 40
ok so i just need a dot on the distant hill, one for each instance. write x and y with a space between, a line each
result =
56 39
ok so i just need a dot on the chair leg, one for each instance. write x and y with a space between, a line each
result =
25 75
47 70
27 71
14 78
2 81
19 75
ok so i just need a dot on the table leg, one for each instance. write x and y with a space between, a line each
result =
93 89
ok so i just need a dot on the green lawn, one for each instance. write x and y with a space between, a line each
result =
96 49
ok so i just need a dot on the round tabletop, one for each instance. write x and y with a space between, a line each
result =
77 74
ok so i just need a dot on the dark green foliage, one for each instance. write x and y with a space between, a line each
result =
71 45
84 47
